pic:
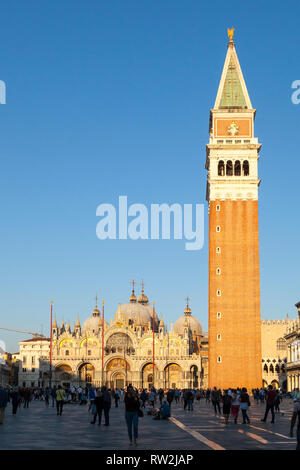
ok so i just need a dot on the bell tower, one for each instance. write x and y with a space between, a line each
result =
232 194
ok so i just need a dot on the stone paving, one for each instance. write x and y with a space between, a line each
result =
39 428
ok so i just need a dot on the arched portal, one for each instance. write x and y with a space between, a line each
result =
118 372
148 380
63 374
173 376
86 373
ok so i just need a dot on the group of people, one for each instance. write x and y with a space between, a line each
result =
135 401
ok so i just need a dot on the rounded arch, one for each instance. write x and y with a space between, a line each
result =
63 367
67 342
245 168
90 341
63 373
172 375
221 168
147 378
86 372
275 384
266 368
117 363
229 168
237 168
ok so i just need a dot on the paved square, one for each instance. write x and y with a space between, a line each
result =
38 428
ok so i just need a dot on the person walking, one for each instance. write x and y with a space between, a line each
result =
270 402
3 402
106 404
60 395
277 402
132 406
245 403
226 400
215 399
235 405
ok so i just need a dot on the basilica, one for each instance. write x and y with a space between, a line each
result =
134 348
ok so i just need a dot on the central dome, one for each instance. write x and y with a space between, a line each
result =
136 313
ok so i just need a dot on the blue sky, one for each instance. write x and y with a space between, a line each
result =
109 98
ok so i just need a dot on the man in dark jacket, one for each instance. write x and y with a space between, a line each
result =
3 402
270 402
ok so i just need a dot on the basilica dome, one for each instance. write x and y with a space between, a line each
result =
193 323
94 322
137 311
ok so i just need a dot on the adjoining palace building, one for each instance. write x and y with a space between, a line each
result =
292 338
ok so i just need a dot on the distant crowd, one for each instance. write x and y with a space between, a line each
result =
155 403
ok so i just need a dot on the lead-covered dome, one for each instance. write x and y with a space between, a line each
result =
192 322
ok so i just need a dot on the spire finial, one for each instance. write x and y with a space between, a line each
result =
187 310
96 301
132 297
142 285
230 34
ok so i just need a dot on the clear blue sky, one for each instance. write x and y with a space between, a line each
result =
106 98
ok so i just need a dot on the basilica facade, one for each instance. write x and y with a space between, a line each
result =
134 348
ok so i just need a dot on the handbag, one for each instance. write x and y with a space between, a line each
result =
140 413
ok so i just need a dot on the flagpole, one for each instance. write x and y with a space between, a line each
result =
50 378
102 342
153 326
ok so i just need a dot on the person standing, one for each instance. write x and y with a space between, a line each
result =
226 399
98 406
132 406
60 395
144 397
15 399
215 399
3 402
106 404
116 397
270 402
296 414
235 405
170 396
53 395
245 403
26 395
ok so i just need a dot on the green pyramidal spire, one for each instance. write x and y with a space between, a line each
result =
232 91
232 95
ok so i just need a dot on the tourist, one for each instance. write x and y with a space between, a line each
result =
53 395
97 406
15 400
152 397
79 391
132 406
164 412
60 395
177 395
207 395
3 402
277 402
226 400
47 396
245 403
161 394
91 396
215 399
235 406
116 397
170 396
106 404
270 402
27 396
296 414
143 397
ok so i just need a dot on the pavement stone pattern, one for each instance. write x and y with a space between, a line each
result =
39 428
